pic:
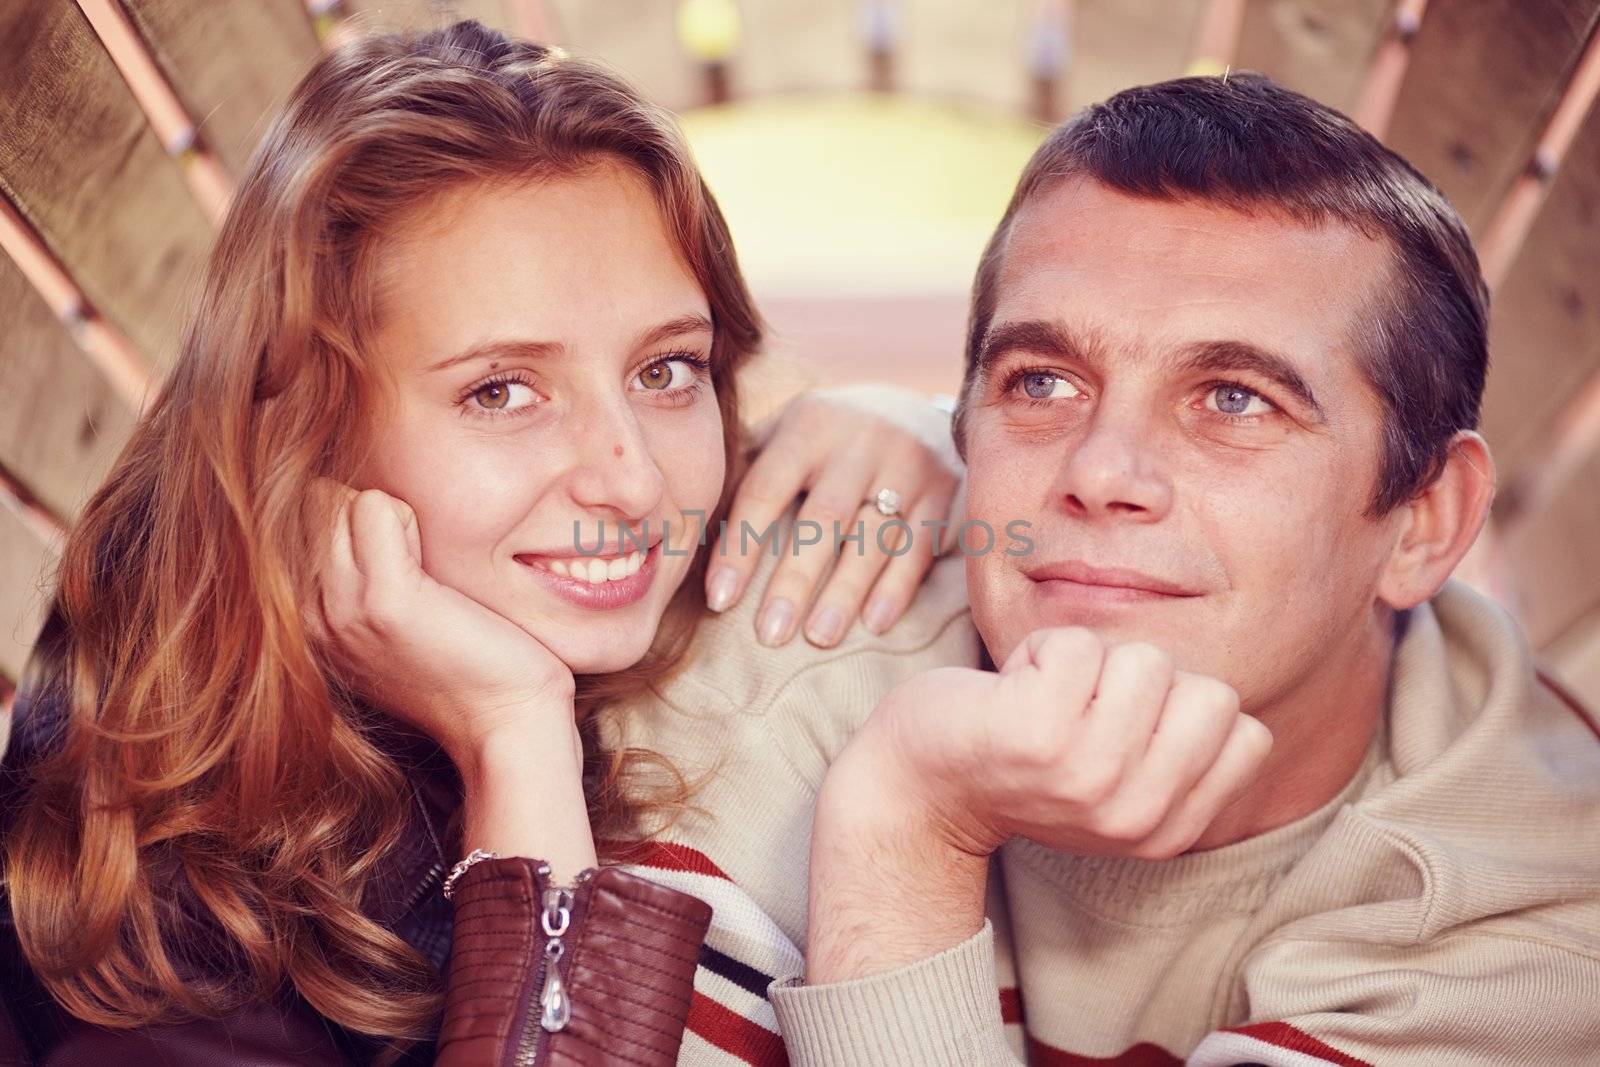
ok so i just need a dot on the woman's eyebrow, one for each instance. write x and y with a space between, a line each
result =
514 349
691 323
499 350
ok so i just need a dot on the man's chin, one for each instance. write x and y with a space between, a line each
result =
1044 605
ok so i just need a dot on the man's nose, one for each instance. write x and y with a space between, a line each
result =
1115 470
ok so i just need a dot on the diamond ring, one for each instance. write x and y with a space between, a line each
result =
887 502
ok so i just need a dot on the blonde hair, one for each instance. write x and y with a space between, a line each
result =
204 742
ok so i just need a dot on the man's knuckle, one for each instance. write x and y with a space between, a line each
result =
1093 786
1208 694
1160 847
1141 659
1073 643
1132 822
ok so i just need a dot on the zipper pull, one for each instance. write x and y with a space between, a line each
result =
555 1008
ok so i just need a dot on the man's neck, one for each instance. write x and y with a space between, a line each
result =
1321 733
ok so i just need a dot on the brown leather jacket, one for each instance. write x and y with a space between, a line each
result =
628 962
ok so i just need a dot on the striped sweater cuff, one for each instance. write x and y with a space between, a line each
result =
941 1010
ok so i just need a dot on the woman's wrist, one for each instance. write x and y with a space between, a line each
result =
523 796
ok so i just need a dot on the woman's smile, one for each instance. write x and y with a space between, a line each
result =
597 582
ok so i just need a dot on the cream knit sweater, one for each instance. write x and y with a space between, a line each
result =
757 727
1443 909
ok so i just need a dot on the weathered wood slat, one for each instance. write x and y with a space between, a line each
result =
1554 557
803 47
79 162
1118 43
1483 77
1544 332
61 423
232 65
970 52
385 15
638 38
1317 47
25 566
1575 659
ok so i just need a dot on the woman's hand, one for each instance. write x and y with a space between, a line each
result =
420 649
839 447
495 699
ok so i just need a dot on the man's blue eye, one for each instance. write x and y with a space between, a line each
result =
1232 400
1043 385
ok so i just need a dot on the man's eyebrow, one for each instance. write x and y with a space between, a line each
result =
1236 356
1033 335
537 349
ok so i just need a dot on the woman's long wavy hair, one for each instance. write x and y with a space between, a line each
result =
205 744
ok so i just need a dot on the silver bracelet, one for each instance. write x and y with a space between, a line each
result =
477 855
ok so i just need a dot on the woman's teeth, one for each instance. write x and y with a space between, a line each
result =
595 571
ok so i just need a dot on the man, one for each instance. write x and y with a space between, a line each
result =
1225 357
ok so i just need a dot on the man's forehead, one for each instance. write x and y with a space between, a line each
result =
1157 273
1083 222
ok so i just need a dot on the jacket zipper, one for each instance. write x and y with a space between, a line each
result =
436 869
535 1024
431 876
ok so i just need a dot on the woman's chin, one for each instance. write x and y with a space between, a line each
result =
599 653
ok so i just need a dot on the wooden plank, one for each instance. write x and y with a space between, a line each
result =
1575 660
786 48
1316 47
970 52
61 423
638 38
1544 333
1554 557
82 166
381 16
25 579
1216 38
1484 76
1120 43
232 65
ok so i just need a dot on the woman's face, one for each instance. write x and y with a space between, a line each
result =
549 353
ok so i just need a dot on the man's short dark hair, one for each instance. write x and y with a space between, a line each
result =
1250 144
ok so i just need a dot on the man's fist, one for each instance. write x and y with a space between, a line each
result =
1083 747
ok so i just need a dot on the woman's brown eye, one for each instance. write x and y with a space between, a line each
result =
656 376
502 398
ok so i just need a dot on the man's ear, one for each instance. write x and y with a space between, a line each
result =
1440 523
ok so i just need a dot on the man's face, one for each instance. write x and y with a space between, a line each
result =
1170 395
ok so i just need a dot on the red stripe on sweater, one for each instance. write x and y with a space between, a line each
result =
667 855
1288 1037
1566 697
1143 1054
734 1034
1011 1005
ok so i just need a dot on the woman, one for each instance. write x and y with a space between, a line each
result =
483 283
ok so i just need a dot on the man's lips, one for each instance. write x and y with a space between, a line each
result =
1080 573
